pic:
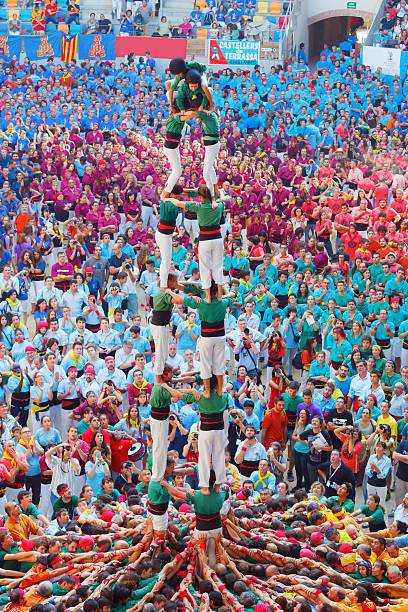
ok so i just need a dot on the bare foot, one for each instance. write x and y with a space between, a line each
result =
219 392
217 488
207 299
205 490
206 394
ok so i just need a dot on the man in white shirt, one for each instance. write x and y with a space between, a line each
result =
190 364
251 319
175 360
360 385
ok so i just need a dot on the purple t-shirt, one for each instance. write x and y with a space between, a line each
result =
313 410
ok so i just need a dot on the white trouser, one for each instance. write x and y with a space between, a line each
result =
11 494
148 217
404 358
223 227
164 242
173 155
161 337
117 6
211 535
209 175
211 256
55 415
396 347
159 431
159 521
46 505
66 423
211 444
79 483
3 501
212 355
191 227
35 288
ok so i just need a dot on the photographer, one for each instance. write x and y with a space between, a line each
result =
236 430
109 401
277 385
247 349
352 446
64 468
130 287
177 434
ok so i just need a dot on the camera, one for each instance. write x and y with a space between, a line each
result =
171 418
128 266
234 415
114 402
382 427
128 464
67 448
246 492
195 436
109 383
349 431
246 331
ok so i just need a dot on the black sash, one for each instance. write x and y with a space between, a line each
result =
212 330
212 422
205 522
70 404
160 413
158 509
161 317
209 232
248 467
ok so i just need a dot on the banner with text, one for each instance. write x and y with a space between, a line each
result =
91 46
10 47
389 60
233 52
41 47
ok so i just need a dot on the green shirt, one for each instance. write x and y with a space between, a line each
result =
185 95
160 397
201 68
162 301
210 405
70 506
378 514
141 488
12 564
174 125
158 494
209 313
114 493
291 404
31 511
168 212
210 127
206 214
348 504
207 504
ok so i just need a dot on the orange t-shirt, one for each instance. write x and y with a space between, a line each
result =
274 423
21 221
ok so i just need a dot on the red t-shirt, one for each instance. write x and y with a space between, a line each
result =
274 423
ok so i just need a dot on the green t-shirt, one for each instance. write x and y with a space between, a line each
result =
82 427
210 313
168 212
201 68
174 125
157 493
11 564
185 95
162 301
207 504
348 504
31 511
378 514
57 591
141 488
206 214
291 403
70 506
210 405
115 493
160 397
210 127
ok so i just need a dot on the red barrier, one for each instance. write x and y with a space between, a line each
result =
160 48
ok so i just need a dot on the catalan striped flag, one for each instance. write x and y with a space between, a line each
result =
69 47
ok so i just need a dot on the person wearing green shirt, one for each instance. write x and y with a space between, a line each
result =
179 68
207 510
159 498
160 327
174 128
164 232
160 400
210 245
25 502
383 331
65 500
212 438
212 343
372 513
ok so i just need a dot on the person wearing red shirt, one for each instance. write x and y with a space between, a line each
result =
335 201
51 9
398 203
351 241
342 129
342 222
373 244
256 252
390 213
119 443
275 424
380 192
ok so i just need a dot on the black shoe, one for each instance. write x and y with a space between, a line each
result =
290 477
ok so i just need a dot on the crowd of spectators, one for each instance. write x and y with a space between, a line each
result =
313 172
